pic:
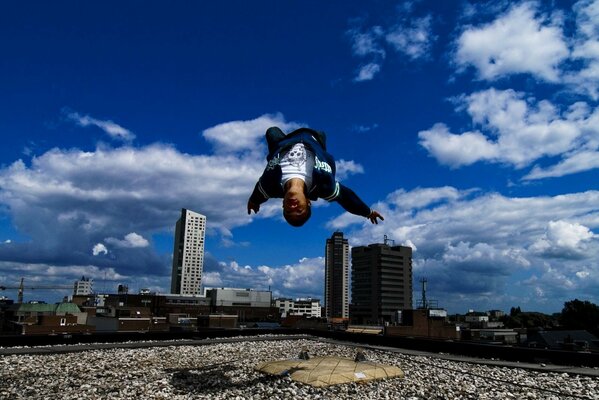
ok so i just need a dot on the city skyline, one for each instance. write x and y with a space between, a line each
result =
479 148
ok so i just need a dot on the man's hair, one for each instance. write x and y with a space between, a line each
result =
298 220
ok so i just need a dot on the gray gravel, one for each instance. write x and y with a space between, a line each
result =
206 372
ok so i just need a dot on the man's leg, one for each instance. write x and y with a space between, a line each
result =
273 136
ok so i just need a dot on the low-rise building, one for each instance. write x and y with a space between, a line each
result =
44 319
423 323
83 287
306 307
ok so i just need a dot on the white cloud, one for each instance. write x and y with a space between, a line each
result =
99 248
303 279
212 279
364 128
525 40
238 136
563 239
585 50
114 130
518 131
472 244
571 164
412 37
408 36
519 41
346 168
111 201
131 240
367 72
423 197
457 150
367 43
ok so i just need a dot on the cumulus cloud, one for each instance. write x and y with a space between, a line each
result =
304 278
532 38
114 130
131 240
346 168
571 164
584 77
62 278
99 248
408 36
423 197
520 41
516 130
470 244
456 150
412 37
238 136
109 202
563 239
109 196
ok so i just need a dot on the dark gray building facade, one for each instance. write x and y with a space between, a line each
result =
381 283
336 288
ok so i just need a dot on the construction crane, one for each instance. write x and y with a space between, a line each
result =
22 288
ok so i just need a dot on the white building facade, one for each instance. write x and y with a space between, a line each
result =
83 287
188 253
306 307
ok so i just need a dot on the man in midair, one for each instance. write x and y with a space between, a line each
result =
300 170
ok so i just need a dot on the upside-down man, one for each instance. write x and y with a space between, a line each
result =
299 170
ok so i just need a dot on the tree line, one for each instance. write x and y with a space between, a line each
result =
576 315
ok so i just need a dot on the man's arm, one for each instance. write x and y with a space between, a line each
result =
258 197
353 204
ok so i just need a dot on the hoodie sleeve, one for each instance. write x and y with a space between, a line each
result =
259 195
350 201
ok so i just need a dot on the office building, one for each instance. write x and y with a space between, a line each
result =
336 289
305 307
188 253
381 283
83 287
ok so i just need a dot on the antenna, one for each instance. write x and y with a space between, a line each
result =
386 240
424 302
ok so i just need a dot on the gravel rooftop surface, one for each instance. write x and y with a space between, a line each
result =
226 371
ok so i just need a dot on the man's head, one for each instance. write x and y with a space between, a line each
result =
296 206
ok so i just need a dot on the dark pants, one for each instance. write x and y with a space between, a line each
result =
274 135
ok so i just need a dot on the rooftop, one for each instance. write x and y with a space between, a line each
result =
225 369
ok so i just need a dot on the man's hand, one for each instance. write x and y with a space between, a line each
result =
253 206
374 215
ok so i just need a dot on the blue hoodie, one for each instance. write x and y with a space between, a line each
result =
324 184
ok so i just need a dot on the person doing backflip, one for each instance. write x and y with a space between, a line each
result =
300 170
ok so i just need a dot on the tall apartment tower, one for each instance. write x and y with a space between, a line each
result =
381 283
188 253
336 287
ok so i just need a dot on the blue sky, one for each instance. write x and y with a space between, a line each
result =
473 127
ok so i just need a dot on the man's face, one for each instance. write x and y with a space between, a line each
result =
295 205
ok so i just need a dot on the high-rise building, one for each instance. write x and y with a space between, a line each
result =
188 253
336 287
381 283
